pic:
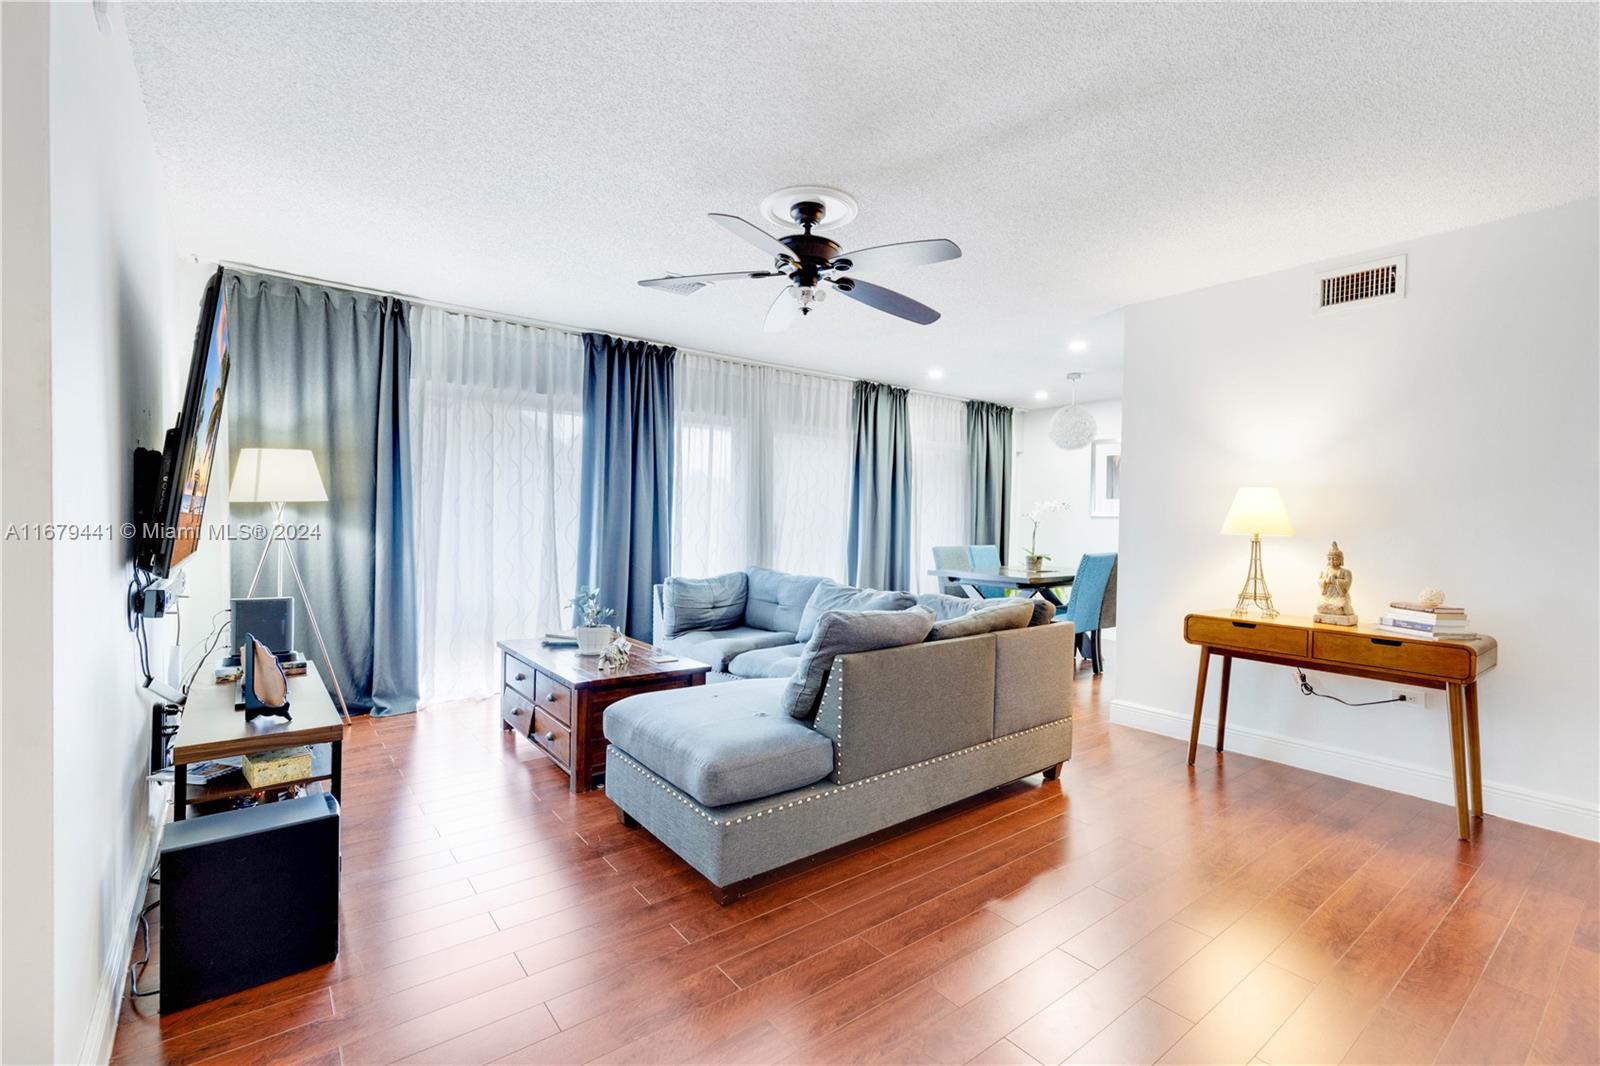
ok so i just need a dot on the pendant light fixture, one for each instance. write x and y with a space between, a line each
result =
1072 427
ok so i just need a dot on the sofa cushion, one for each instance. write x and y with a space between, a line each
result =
767 662
842 632
720 744
1044 612
702 602
719 647
832 596
990 618
775 599
946 606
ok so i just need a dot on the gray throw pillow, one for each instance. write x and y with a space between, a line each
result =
990 618
832 596
695 603
842 632
945 606
1044 612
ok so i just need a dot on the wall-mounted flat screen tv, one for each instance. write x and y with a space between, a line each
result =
172 527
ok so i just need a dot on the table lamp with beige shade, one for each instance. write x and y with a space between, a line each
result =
280 476
1257 513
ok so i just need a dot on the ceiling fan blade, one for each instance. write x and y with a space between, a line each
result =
883 299
684 284
757 236
782 313
904 254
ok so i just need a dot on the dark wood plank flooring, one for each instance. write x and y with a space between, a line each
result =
1131 912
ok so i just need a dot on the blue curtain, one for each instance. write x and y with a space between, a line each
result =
625 516
989 475
880 490
330 370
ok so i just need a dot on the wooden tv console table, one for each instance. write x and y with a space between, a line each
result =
1358 651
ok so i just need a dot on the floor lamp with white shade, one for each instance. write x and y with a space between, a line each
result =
280 476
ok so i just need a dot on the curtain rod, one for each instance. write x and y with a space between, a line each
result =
522 320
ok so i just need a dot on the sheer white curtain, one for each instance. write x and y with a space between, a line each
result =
717 483
939 472
497 435
762 468
812 445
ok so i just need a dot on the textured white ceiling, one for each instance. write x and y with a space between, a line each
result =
540 159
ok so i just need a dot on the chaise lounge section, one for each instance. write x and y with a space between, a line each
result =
731 780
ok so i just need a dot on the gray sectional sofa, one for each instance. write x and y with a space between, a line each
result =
745 777
750 623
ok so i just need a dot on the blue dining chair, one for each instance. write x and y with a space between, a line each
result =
1093 604
952 557
986 557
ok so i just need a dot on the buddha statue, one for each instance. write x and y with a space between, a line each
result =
1334 608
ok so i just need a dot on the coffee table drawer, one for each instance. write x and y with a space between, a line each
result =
515 711
1247 635
553 737
554 699
519 676
1404 656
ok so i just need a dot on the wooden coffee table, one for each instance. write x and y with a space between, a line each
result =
555 697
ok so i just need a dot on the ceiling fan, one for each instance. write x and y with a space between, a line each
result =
813 264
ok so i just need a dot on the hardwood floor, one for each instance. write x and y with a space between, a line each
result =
1130 912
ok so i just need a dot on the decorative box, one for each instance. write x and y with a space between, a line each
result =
266 768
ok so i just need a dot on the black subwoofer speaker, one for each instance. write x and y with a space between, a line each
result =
248 896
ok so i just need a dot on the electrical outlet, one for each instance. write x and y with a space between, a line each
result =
1416 696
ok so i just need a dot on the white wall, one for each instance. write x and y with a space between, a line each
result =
104 372
26 725
1041 471
1446 439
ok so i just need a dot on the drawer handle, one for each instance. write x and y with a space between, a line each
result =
1244 625
551 698
551 737
522 677
1387 643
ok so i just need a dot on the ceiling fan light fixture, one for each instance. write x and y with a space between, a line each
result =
811 264
1072 427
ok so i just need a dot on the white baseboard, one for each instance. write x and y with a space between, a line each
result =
102 1031
1502 801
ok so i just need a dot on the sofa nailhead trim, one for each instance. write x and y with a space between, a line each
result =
672 790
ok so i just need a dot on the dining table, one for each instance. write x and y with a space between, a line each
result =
1044 582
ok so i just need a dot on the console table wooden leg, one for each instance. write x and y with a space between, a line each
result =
1222 703
1474 763
1199 702
1458 761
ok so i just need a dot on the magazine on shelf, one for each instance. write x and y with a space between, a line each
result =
203 773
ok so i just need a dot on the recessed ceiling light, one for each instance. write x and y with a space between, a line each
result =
1078 345
1041 395
936 373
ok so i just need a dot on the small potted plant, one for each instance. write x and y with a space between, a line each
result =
592 633
1036 514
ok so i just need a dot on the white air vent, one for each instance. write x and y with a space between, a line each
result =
1364 283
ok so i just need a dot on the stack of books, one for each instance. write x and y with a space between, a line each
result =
1422 622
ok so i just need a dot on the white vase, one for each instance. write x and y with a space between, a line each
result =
592 640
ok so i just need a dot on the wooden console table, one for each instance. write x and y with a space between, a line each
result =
556 697
1358 651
